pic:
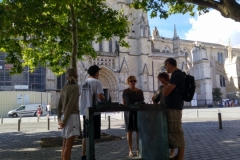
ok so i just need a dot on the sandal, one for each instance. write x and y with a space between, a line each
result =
137 154
130 154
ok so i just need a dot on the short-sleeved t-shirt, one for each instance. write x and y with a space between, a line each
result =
174 100
48 107
87 88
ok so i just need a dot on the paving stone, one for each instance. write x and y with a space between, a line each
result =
204 141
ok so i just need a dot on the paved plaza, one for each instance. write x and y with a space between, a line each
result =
204 139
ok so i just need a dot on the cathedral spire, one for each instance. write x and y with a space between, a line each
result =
176 42
155 33
175 32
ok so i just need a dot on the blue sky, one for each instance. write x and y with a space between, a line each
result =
210 27
166 26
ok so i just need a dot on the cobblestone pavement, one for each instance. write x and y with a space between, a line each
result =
204 140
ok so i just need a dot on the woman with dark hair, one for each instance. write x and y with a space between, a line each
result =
68 113
163 77
130 96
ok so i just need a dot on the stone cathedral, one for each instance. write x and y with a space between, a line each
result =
212 65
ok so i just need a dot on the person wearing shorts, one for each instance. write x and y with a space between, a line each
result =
174 105
48 110
68 113
97 126
91 86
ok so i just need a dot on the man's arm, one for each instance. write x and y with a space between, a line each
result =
101 97
100 92
168 89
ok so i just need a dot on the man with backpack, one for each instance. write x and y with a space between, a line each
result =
174 93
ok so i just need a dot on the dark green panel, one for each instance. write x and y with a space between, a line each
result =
153 139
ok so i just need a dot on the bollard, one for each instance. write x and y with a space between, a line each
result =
1 120
38 119
197 114
220 120
122 114
105 115
19 124
20 119
54 117
48 121
108 122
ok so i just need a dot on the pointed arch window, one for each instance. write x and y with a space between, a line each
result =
222 81
220 57
100 47
110 46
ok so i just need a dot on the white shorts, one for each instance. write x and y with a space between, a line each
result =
72 127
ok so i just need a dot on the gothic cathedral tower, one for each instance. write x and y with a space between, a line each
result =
201 71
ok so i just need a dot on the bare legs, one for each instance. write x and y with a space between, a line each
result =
67 148
129 139
180 154
83 146
171 154
38 116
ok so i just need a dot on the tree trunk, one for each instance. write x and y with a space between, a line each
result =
73 62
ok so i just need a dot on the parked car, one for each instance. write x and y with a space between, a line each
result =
24 110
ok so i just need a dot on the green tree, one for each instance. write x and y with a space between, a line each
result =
164 8
217 94
56 33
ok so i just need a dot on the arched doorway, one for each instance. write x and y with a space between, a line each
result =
109 82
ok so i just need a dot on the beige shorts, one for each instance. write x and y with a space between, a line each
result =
175 131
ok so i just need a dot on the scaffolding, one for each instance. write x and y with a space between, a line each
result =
34 81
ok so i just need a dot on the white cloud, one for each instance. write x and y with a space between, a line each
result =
212 27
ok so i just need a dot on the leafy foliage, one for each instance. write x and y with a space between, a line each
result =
54 33
164 8
217 94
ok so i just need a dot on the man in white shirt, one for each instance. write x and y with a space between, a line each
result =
88 88
48 109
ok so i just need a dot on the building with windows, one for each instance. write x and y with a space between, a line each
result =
26 81
212 65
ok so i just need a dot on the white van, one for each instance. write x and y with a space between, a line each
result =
25 110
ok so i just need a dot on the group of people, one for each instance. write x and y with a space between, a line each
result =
169 96
228 103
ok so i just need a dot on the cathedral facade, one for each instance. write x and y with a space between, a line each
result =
212 65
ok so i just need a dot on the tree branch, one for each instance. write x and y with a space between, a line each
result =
227 8
63 27
207 3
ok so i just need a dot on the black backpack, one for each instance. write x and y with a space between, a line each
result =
190 87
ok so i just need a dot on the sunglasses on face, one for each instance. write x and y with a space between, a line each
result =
133 81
